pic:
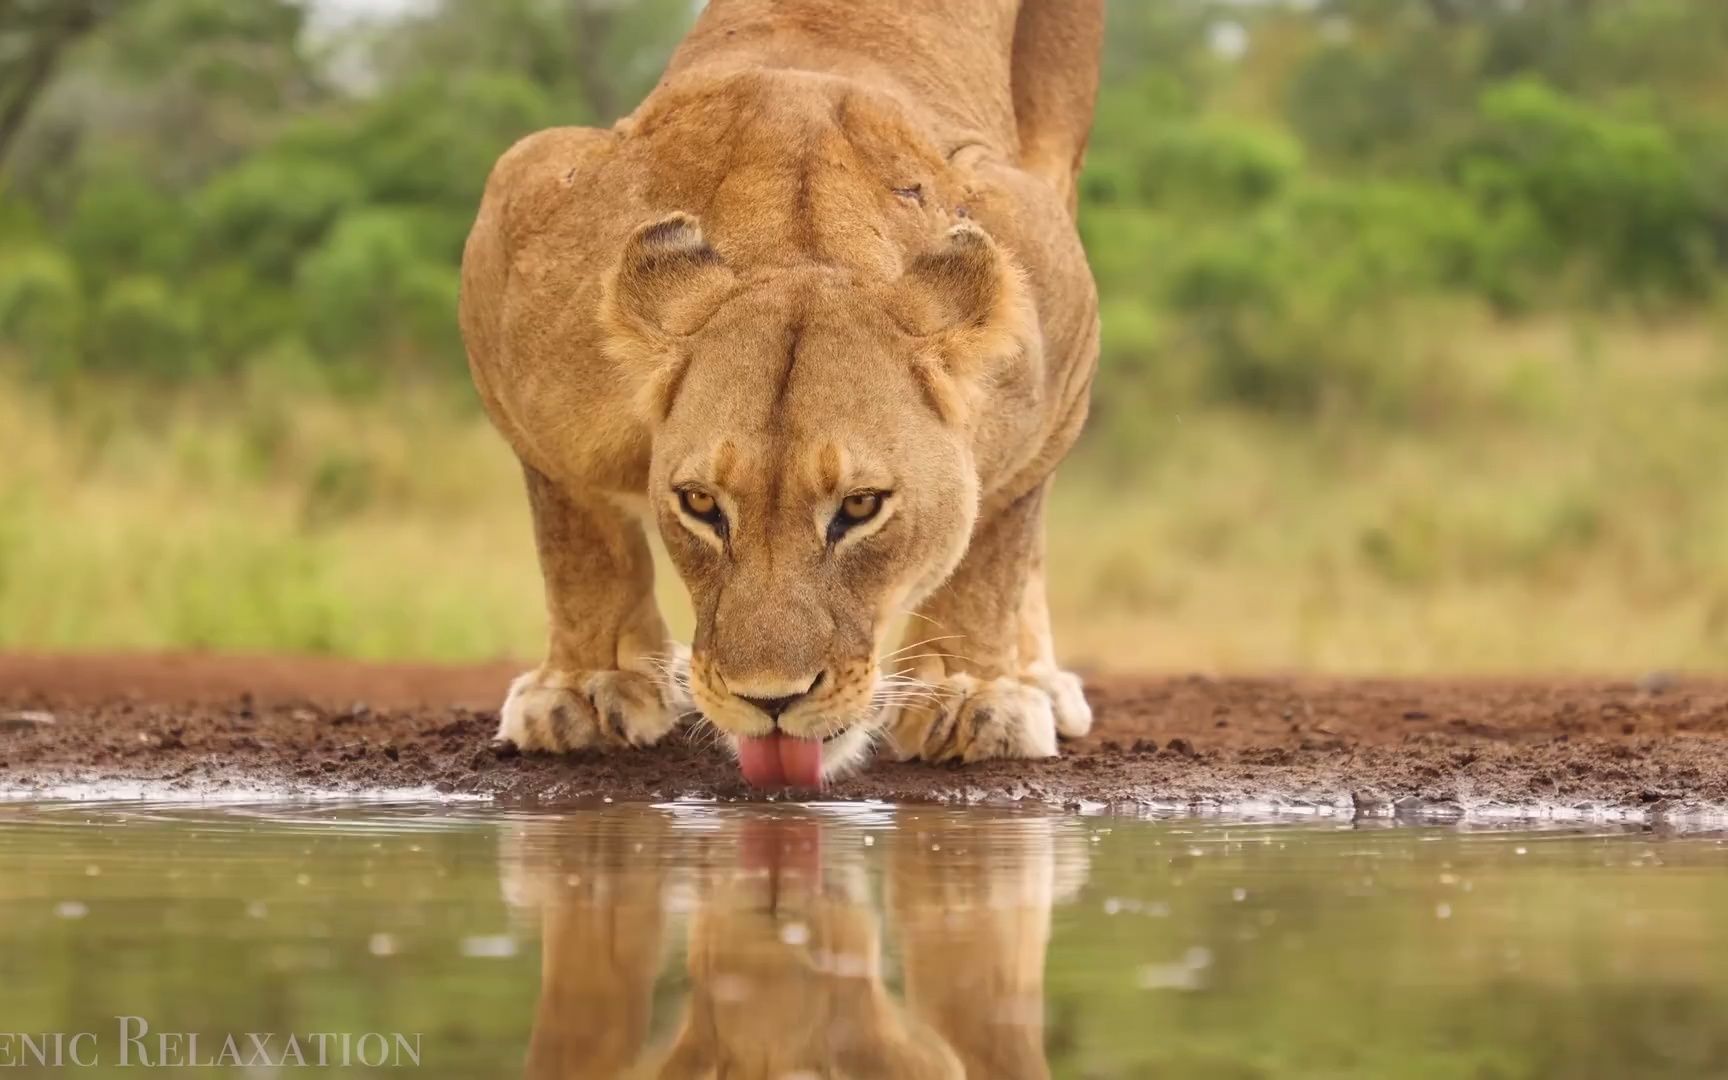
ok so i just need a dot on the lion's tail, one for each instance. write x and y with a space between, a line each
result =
1055 73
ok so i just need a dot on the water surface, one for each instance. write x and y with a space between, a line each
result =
858 941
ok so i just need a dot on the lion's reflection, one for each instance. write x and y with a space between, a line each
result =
783 950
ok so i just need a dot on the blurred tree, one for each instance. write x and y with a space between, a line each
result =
594 58
35 36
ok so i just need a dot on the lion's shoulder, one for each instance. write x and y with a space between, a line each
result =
543 177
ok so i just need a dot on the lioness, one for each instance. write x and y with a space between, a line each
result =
818 309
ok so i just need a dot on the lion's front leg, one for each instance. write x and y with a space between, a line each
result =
610 676
983 653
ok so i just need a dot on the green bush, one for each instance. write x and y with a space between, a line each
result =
371 288
1352 103
119 224
269 211
41 308
1212 163
141 327
1617 192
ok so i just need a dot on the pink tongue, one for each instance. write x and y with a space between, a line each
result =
759 757
801 761
781 761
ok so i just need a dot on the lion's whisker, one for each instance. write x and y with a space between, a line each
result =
942 655
900 676
712 736
921 615
902 691
908 648
903 697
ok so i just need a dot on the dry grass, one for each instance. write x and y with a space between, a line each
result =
1577 520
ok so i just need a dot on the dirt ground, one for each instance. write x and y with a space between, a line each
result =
202 724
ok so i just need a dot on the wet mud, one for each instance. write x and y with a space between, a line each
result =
1651 747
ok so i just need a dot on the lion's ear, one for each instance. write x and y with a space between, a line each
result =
667 283
967 303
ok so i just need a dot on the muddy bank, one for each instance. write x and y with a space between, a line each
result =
203 724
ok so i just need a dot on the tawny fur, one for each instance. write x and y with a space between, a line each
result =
834 250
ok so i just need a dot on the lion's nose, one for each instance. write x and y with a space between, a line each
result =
774 706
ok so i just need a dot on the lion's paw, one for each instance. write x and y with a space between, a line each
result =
560 711
1067 700
972 719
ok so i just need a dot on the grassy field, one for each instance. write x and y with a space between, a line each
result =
1572 517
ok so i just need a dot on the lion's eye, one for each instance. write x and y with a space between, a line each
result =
859 508
702 506
855 509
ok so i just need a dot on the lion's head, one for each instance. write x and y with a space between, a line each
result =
811 473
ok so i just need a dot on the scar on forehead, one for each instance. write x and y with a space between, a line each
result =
724 463
830 465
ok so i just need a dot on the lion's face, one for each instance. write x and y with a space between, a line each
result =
808 497
811 472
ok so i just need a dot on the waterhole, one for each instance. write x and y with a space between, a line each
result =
792 941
